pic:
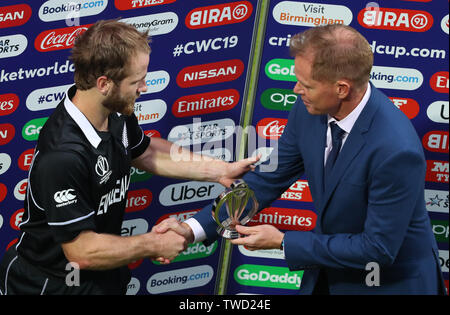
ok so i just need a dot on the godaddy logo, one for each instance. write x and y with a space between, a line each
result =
281 69
195 251
268 276
32 128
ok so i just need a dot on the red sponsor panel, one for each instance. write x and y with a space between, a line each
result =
395 19
446 285
205 103
136 4
135 264
271 128
210 73
138 200
152 133
299 191
219 14
436 141
7 133
14 241
3 192
8 103
286 219
61 38
439 82
408 106
437 171
16 219
14 15
418 0
179 216
25 159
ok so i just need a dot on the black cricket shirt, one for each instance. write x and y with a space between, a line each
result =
78 180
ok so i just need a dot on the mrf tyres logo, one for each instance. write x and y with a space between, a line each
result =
268 277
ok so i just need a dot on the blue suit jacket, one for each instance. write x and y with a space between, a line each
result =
372 210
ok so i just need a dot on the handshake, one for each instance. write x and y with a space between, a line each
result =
170 238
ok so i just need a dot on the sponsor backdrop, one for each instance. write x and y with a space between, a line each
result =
203 53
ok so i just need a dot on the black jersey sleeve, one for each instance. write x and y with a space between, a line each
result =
138 141
63 185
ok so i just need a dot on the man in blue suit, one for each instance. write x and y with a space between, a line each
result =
366 169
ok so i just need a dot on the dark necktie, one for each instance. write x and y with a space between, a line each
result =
336 136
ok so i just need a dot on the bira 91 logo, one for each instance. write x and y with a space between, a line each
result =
436 141
205 103
14 15
62 38
395 19
136 4
271 128
8 103
220 14
210 73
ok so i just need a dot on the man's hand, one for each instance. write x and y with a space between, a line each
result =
237 169
259 237
170 245
173 226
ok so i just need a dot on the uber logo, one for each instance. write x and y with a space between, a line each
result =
189 192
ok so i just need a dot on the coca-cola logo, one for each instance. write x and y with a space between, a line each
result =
271 128
57 39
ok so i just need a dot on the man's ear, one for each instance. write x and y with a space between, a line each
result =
103 85
343 88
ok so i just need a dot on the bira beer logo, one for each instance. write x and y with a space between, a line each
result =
62 38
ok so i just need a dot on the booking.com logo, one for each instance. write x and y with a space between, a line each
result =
396 78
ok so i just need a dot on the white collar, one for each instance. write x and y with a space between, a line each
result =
82 121
347 123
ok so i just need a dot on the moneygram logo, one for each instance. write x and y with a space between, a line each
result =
62 38
408 106
136 4
205 103
220 14
14 15
436 141
156 24
12 45
286 219
396 78
268 277
55 10
180 279
311 14
437 171
210 73
8 103
271 128
395 19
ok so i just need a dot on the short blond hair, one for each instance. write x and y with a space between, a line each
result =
340 52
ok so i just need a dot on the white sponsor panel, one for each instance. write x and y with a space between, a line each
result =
396 78
438 112
133 286
12 45
156 24
219 153
444 24
262 253
1 221
5 162
436 200
311 14
55 10
150 111
20 189
180 279
134 227
443 257
201 132
156 81
46 98
189 192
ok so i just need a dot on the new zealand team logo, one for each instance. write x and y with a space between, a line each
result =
102 169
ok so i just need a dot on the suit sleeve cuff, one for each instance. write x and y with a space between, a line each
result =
197 230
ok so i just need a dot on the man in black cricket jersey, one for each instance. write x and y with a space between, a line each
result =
80 174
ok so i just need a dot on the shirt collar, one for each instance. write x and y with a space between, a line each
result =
347 123
80 119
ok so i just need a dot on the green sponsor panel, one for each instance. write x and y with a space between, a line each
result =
138 175
268 277
194 251
32 128
281 70
440 230
278 99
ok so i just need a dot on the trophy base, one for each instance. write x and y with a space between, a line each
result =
228 234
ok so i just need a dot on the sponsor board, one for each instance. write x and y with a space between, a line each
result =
436 141
156 24
436 200
3 191
46 98
179 216
156 81
268 277
20 189
194 251
31 130
285 219
137 4
138 200
25 159
443 258
57 39
150 111
16 219
14 15
396 78
440 230
186 192
299 191
408 106
5 162
281 70
311 14
278 99
219 14
134 227
271 128
437 171
180 279
262 253
444 24
7 132
438 112
55 10
440 82
133 286
12 45
138 175
8 103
